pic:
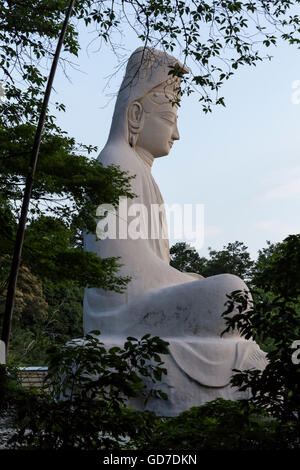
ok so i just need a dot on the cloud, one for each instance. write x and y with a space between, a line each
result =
283 183
286 173
212 230
281 191
277 227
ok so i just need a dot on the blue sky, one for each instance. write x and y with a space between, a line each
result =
241 162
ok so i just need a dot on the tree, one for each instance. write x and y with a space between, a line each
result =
274 315
213 38
68 188
233 259
89 385
53 132
186 259
46 313
277 268
204 32
219 37
30 314
220 425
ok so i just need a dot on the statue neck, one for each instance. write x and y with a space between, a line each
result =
145 156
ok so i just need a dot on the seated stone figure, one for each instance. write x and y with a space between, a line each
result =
182 308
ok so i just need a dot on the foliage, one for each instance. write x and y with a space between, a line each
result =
79 183
45 314
233 259
216 38
221 425
9 386
29 31
68 185
30 304
68 188
219 37
65 310
83 403
275 315
277 268
186 259
269 420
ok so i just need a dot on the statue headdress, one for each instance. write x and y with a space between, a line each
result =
146 70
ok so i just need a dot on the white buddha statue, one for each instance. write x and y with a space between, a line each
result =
182 308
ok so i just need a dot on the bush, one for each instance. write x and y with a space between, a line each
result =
274 318
83 402
221 425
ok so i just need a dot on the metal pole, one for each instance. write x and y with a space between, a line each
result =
15 266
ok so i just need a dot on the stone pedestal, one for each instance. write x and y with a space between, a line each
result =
2 352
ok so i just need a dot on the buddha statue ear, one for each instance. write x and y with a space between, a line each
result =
135 117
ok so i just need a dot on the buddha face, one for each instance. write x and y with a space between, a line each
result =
158 128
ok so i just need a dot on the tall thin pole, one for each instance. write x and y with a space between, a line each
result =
15 266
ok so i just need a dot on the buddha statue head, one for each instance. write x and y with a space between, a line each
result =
152 120
145 114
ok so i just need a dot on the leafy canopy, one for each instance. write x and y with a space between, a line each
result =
233 259
68 186
213 38
274 314
89 385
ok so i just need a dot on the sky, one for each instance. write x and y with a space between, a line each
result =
240 163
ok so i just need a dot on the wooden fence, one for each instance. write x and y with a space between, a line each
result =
32 376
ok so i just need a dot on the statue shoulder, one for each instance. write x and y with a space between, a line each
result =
118 154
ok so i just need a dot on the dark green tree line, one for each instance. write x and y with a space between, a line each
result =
233 259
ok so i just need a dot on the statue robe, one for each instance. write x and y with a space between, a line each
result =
159 299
